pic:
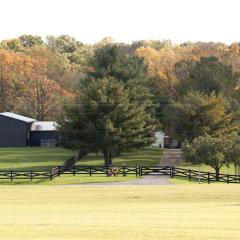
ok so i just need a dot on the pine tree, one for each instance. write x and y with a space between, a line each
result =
102 118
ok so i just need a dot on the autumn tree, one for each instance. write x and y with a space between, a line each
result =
11 79
197 114
29 41
42 96
208 75
76 52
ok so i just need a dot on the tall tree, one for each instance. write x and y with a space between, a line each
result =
42 96
77 53
198 114
29 41
12 71
102 118
115 60
208 75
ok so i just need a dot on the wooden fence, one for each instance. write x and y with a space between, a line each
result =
137 170
27 175
49 175
193 175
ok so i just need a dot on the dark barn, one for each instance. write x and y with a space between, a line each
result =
20 131
44 134
14 130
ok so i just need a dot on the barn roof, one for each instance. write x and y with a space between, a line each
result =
44 126
18 117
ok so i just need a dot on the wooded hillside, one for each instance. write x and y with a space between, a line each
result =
189 88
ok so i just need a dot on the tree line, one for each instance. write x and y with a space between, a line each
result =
114 96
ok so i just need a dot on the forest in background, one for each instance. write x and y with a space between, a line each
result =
193 88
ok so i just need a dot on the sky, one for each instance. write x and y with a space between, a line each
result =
125 20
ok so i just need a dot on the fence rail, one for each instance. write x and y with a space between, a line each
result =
137 170
205 176
28 175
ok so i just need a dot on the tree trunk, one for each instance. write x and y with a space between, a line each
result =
107 157
217 173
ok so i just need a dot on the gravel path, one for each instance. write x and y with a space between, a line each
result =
171 157
146 180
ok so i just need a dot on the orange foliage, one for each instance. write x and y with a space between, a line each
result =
25 87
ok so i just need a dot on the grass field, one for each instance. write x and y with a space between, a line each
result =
69 180
191 212
147 157
36 159
205 168
43 159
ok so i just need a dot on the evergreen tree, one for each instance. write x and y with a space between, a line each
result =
102 118
115 60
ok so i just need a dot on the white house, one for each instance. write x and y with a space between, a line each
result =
159 136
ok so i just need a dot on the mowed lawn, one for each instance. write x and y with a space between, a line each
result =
205 168
36 159
120 212
145 157
43 159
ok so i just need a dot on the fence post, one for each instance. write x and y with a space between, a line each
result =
208 178
31 175
11 175
90 171
59 171
124 171
171 172
136 169
107 171
189 175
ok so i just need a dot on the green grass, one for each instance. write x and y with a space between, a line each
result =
190 212
205 168
82 179
185 181
68 180
146 156
44 159
36 159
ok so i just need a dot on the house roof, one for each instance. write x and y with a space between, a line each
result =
44 126
18 117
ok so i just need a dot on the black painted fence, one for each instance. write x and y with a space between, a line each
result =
49 175
27 175
137 170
